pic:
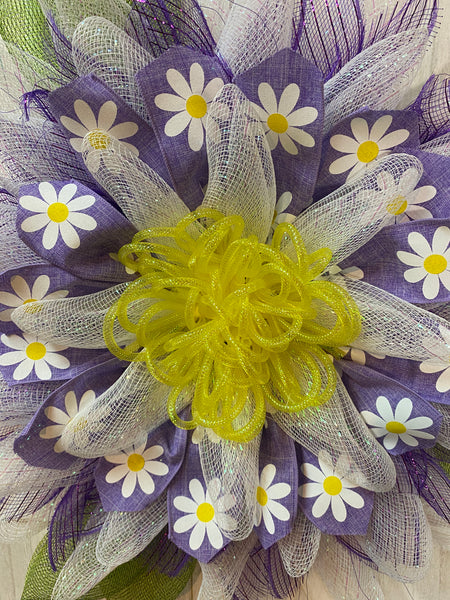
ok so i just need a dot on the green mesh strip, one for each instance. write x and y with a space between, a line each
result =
23 24
130 581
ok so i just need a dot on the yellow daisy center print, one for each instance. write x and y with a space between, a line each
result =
205 512
196 106
277 123
435 264
135 462
57 212
395 427
98 139
36 351
261 496
367 151
397 206
332 485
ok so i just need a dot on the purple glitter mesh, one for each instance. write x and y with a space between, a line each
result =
67 522
18 506
165 556
264 573
432 106
159 24
37 100
429 480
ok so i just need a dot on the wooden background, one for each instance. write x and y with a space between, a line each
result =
14 557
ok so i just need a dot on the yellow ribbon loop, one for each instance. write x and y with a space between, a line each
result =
231 324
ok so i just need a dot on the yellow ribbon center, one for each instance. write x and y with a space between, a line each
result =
230 324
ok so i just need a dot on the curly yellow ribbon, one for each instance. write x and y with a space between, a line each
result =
235 323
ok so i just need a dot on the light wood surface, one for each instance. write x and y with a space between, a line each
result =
14 557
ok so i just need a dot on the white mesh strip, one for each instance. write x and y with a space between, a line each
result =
399 538
254 31
444 432
241 175
81 572
236 467
23 399
14 252
17 476
125 534
349 217
440 145
338 428
216 14
12 84
439 528
220 577
133 406
102 48
375 77
75 322
69 14
299 548
346 576
145 198
394 327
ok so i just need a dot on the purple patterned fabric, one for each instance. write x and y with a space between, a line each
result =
287 93
331 501
177 88
136 477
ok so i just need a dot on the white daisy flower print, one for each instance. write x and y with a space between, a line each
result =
29 352
404 208
281 122
190 102
359 356
430 264
58 213
439 364
266 499
280 215
61 418
136 466
330 487
352 272
366 146
201 515
98 131
24 294
394 426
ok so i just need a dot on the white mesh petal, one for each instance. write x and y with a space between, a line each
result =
399 537
134 405
338 428
102 48
220 577
440 145
75 322
375 77
299 548
411 330
254 31
69 14
346 575
125 534
349 217
14 252
241 175
145 198
236 467
81 572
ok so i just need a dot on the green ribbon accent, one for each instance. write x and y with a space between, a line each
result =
23 23
130 581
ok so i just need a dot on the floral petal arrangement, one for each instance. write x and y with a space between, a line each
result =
224 296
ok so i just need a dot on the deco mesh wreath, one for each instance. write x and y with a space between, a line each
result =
224 296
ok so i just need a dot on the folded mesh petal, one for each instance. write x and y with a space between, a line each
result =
125 534
299 548
241 175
